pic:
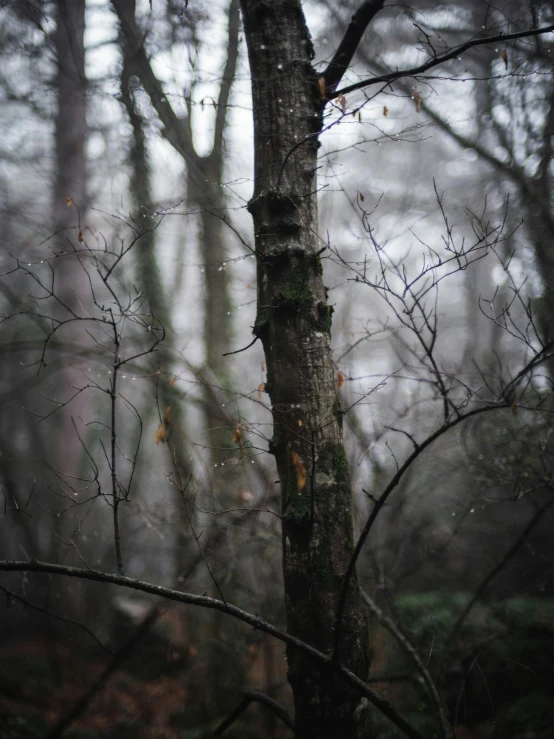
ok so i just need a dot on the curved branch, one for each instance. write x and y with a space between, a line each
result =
389 624
436 61
497 568
206 602
176 130
350 42
251 696
381 502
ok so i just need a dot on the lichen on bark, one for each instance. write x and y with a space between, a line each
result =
294 323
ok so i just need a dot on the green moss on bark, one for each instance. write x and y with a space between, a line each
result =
325 317
262 319
340 463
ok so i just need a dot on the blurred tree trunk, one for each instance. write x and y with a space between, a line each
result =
147 265
71 114
69 202
204 193
294 322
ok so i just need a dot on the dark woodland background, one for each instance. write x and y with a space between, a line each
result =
127 276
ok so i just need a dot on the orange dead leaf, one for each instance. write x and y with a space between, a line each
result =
69 201
300 422
163 429
504 57
417 98
321 85
261 388
80 237
301 474
385 110
173 381
161 434
340 379
342 102
237 439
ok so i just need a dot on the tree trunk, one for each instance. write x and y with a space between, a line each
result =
294 322
69 206
71 114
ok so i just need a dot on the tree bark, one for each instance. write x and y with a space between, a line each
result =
69 203
294 322
71 114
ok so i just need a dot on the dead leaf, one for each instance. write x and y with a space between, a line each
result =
237 439
160 436
385 110
359 116
342 102
504 57
261 388
417 98
321 85
80 237
300 422
301 474
263 366
173 381
340 379
69 201
361 196
162 431
514 408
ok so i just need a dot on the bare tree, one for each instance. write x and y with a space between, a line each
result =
294 104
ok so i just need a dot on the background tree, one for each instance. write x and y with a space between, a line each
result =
433 416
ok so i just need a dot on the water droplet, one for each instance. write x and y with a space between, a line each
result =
454 514
472 510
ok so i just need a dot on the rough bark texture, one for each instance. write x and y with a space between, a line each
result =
294 322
